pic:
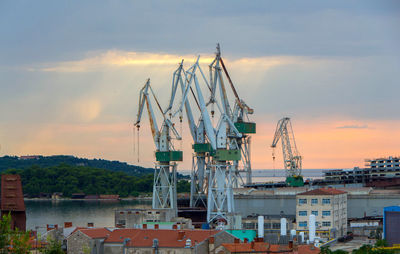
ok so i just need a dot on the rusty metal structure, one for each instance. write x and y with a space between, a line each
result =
12 201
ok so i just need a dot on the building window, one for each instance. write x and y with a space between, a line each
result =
276 225
326 213
249 225
314 201
326 201
315 213
267 225
302 201
326 223
302 213
303 224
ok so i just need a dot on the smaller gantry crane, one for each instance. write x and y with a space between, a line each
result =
291 156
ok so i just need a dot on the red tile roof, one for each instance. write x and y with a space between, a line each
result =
270 248
166 237
306 249
323 191
96 232
93 232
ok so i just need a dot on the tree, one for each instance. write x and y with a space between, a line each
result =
12 241
53 247
5 232
183 186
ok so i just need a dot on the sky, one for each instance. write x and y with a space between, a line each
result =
71 71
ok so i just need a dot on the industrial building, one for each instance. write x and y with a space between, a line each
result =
272 223
379 169
361 202
150 218
391 224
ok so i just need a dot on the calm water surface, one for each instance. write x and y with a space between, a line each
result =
101 213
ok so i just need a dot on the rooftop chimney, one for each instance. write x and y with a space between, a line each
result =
236 240
252 245
291 245
156 226
67 224
90 224
181 235
174 226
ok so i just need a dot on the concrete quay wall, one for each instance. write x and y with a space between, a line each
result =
357 205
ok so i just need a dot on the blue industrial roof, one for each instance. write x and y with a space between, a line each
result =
391 209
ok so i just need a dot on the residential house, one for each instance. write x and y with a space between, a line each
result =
163 241
88 240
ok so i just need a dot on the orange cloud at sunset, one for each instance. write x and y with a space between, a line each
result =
324 144
321 142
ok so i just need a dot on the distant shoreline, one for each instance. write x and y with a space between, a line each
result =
86 199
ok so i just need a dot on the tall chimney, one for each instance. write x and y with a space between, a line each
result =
283 226
311 227
261 226
156 226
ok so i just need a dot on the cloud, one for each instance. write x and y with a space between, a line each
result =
115 58
118 58
353 127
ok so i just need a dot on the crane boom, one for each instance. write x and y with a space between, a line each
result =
291 157
145 98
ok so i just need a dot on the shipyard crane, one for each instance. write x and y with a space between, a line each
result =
291 156
220 202
201 155
239 115
164 188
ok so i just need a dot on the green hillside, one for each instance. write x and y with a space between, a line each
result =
14 162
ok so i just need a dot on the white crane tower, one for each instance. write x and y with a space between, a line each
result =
291 156
220 204
164 188
239 116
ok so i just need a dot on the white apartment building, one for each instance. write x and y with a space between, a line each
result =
390 162
329 206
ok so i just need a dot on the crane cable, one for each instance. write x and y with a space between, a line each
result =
181 130
138 145
134 142
273 159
